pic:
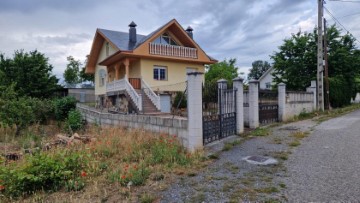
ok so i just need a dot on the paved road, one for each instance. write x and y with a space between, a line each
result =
326 166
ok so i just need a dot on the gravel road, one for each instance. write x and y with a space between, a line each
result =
326 167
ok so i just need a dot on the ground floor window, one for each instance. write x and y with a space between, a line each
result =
160 73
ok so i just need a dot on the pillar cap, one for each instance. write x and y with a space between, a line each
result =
281 84
253 81
222 81
238 79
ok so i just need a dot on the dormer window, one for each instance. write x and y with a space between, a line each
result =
166 39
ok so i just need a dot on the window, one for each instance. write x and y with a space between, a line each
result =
166 39
268 85
107 48
102 75
160 73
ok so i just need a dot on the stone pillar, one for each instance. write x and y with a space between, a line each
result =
282 101
222 85
238 86
194 107
253 103
312 89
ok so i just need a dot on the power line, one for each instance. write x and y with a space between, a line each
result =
350 15
336 20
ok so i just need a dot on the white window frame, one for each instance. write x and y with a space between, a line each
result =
158 68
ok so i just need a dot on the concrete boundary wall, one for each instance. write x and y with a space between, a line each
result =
298 102
176 126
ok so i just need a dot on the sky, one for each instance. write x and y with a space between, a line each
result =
247 30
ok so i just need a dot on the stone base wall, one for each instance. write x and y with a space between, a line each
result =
154 124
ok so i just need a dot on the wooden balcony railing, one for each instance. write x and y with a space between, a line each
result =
171 50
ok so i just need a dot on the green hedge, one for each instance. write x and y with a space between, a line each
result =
340 92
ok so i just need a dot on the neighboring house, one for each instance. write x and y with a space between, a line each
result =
131 70
266 80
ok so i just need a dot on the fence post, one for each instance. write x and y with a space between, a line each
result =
194 107
312 89
222 85
253 103
282 101
238 85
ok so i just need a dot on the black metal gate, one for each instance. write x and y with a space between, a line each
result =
219 112
268 107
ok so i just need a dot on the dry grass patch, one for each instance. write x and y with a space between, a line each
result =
117 159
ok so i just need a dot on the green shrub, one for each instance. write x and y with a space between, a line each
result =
340 92
43 109
48 172
180 100
16 112
74 121
63 106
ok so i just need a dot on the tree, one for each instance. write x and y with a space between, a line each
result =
30 73
296 63
258 69
72 71
223 70
85 76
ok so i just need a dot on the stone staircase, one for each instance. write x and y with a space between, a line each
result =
148 106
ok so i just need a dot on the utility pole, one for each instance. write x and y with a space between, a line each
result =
327 91
320 62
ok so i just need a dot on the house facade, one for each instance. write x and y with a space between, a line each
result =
131 70
266 80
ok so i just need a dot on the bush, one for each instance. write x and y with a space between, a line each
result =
74 121
43 109
16 112
63 106
180 100
48 172
340 92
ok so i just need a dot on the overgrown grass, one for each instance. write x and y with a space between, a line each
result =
229 145
117 156
259 132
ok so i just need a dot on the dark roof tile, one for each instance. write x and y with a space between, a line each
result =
121 39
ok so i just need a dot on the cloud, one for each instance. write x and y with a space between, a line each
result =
246 30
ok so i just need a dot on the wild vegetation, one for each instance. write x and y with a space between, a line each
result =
295 64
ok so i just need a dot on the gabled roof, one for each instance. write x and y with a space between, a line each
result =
266 73
121 39
121 42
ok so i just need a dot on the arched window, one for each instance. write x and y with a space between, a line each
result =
166 39
102 76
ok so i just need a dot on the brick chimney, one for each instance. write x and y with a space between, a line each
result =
132 32
189 31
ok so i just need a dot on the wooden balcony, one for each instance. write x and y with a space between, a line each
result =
173 51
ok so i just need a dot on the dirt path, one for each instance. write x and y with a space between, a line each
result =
231 179
326 167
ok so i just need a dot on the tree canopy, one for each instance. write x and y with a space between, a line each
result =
223 70
72 71
30 72
295 64
259 67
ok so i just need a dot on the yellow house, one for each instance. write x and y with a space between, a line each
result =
131 69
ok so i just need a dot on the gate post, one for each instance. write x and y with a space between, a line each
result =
282 101
194 108
222 85
253 103
238 85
